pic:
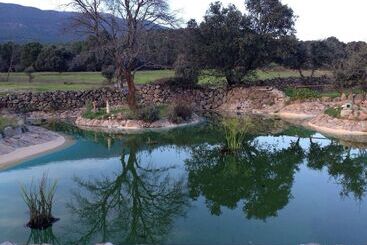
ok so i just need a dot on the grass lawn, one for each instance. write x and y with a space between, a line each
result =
51 81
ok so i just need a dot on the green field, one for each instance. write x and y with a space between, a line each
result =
51 81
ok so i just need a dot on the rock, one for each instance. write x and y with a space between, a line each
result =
325 99
359 98
9 132
351 117
364 126
351 97
362 116
7 243
343 97
132 124
345 113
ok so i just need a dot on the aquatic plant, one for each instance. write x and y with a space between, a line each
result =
235 130
39 200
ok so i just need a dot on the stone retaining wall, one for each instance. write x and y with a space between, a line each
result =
59 100
201 98
319 83
204 98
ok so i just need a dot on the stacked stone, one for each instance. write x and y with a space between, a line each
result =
60 100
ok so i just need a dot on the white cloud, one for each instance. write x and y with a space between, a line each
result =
318 19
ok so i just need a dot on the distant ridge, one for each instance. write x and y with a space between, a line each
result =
26 24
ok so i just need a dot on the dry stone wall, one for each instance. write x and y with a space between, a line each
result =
59 100
201 98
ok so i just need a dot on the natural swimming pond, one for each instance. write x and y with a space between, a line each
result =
286 185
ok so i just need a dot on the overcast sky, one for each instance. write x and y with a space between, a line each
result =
317 19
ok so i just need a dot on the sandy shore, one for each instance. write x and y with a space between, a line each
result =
24 153
343 134
294 115
118 127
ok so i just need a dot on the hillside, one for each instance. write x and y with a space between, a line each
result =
24 24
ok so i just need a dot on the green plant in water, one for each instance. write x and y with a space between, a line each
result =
235 131
39 200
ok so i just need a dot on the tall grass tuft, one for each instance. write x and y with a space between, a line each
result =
235 131
39 200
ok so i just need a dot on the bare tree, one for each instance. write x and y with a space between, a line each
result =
120 26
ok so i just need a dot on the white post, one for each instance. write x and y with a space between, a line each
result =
108 108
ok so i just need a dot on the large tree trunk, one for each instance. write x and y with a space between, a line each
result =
120 77
131 96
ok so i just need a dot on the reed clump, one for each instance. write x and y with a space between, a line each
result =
40 199
235 130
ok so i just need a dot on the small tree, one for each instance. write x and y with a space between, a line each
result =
29 72
108 72
185 71
353 68
29 53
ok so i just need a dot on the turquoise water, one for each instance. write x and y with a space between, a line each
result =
285 186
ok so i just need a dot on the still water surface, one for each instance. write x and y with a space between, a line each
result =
285 186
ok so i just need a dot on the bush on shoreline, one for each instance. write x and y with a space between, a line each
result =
6 122
301 93
148 114
180 112
333 111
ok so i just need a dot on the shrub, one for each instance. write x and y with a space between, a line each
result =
29 72
301 93
148 114
5 122
89 106
180 112
90 114
186 72
333 111
100 114
108 72
40 202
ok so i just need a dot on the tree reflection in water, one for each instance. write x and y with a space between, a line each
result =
348 167
261 178
42 237
137 206
141 202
